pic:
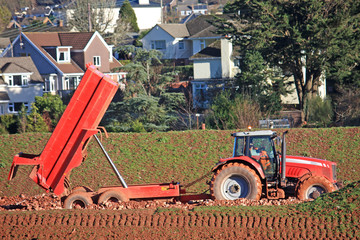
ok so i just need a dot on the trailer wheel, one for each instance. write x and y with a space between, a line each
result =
77 200
112 196
234 181
313 187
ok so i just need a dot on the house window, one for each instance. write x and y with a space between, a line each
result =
181 44
66 83
97 61
63 54
50 84
202 44
16 107
71 82
18 80
63 57
2 110
158 44
74 82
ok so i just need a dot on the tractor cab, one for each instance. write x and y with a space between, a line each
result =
259 146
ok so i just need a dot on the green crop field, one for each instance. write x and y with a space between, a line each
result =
173 156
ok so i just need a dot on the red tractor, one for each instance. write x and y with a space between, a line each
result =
257 170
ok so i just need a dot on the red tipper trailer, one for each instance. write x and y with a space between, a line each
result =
66 148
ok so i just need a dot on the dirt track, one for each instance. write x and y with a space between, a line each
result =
86 224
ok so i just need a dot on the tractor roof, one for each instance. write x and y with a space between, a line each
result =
254 133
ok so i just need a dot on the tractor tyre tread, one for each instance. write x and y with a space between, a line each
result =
258 187
77 196
313 181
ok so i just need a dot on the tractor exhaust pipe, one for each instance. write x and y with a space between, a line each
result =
283 160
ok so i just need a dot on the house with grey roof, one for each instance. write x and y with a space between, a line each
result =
214 69
181 41
61 57
20 82
186 10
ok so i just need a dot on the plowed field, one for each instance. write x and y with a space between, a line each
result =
93 224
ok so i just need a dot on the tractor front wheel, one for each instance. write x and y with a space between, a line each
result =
313 187
234 181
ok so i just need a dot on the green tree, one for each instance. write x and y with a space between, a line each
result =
35 122
318 36
136 113
142 77
51 104
260 82
127 16
125 24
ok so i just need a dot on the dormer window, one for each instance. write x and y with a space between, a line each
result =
63 54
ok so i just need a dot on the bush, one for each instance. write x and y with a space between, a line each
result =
319 111
10 122
3 129
229 112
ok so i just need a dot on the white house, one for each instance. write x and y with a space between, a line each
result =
214 69
20 82
148 14
181 41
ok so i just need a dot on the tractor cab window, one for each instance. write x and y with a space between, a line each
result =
262 150
239 147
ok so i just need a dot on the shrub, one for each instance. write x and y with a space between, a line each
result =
229 113
319 111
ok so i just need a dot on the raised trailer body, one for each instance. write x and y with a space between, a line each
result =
66 148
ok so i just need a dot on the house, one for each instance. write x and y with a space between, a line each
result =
186 10
20 82
181 41
61 57
148 14
214 69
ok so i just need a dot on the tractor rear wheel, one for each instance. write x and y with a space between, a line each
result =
112 196
234 181
313 187
77 200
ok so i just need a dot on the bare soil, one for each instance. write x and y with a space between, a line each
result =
40 217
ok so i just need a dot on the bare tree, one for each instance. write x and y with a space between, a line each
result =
91 15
